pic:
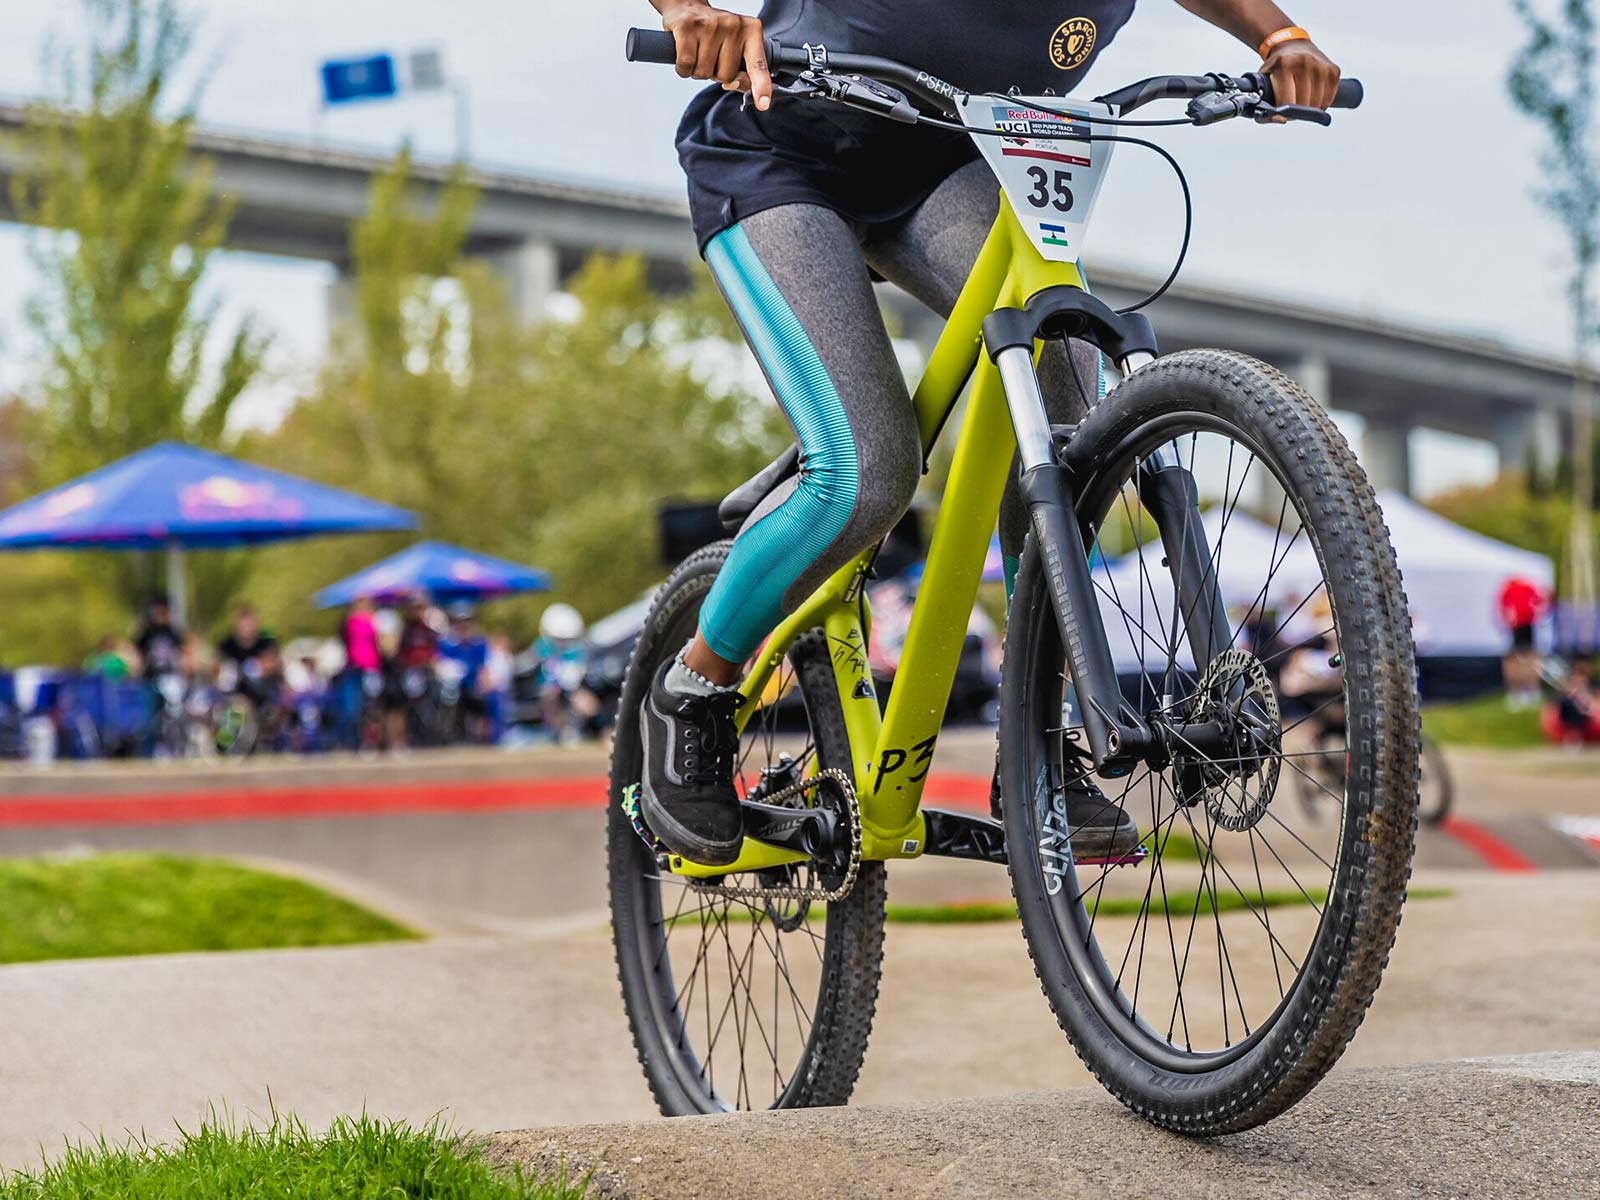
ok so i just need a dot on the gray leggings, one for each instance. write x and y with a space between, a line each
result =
797 280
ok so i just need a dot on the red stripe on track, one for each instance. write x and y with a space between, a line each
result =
1485 845
368 799
255 804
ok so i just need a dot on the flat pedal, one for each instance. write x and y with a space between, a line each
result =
1132 859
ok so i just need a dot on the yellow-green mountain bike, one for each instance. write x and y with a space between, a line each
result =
1204 522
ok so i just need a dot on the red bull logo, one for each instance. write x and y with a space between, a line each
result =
225 497
52 510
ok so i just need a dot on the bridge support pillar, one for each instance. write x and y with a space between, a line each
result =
341 301
1312 373
1525 433
532 274
1386 454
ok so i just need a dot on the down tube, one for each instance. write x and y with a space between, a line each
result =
944 604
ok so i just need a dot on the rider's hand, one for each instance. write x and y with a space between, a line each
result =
712 44
1301 74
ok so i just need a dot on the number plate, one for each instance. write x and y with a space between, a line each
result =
1049 170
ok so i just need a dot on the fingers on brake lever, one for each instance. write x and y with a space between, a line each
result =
1295 112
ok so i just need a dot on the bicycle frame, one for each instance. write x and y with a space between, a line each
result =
892 753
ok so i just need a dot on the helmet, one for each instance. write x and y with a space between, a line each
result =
461 610
561 623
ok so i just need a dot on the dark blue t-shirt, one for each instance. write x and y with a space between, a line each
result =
870 170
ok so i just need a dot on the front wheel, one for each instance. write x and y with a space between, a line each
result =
1210 984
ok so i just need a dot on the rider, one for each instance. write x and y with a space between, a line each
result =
796 207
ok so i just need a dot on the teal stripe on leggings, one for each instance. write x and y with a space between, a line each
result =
746 602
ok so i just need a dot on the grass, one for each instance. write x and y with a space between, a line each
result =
113 904
1484 721
357 1158
982 912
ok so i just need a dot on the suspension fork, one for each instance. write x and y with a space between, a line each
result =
1118 736
1167 489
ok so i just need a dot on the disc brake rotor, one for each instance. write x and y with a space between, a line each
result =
1237 691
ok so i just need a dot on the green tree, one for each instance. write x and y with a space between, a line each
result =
129 225
1552 81
548 441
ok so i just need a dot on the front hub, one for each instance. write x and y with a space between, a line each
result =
1234 696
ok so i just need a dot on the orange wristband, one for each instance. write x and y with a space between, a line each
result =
1290 33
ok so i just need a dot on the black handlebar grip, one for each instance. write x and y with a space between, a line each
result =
1349 95
651 46
659 46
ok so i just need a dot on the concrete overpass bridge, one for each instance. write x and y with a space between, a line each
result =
299 199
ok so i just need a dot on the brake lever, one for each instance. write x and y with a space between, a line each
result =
853 91
1222 106
1293 112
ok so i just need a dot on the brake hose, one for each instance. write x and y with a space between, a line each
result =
1183 182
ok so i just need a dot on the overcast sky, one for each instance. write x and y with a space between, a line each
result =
1415 208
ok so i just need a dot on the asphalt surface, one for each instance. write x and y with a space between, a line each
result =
1516 1127
507 1032
510 1016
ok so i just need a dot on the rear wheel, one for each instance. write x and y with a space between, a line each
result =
1210 986
738 1003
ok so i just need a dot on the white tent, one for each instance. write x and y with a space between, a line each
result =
1132 595
1452 578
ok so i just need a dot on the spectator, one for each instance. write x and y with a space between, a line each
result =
419 644
360 636
394 689
498 669
1522 602
568 705
466 647
1577 708
112 658
247 657
304 700
363 674
159 641
412 674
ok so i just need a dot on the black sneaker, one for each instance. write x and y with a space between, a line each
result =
686 796
1099 828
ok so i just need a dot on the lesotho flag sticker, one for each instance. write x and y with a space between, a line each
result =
1053 235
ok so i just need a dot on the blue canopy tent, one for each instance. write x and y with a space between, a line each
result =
446 573
173 498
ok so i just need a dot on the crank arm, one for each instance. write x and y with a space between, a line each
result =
808 831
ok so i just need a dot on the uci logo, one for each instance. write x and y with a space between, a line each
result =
1072 43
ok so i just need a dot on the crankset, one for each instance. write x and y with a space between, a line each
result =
827 829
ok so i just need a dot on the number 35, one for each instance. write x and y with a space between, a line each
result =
1042 184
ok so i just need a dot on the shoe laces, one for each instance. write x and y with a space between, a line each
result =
712 718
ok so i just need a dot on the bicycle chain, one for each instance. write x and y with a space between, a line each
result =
630 806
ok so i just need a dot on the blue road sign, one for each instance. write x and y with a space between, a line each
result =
368 78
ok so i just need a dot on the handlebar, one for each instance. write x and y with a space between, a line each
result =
658 46
1191 87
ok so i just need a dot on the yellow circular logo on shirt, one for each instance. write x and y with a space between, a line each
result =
1072 43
